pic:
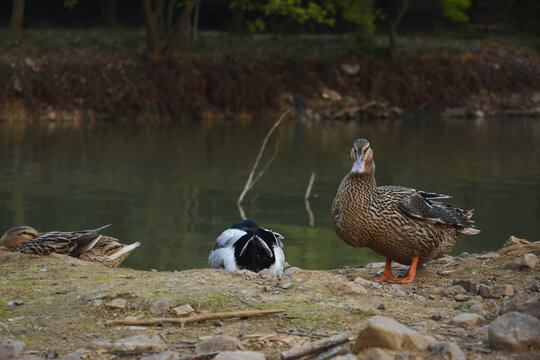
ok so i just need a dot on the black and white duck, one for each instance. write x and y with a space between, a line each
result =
246 246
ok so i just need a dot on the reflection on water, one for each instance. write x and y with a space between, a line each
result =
174 187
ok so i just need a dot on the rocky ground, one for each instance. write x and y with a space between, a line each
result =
479 306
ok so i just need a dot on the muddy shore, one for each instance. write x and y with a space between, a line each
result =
75 81
58 305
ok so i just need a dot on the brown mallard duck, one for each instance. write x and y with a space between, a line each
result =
403 224
89 245
27 240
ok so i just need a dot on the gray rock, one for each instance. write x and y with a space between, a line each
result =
160 307
468 285
366 283
454 290
489 256
375 354
96 303
345 357
167 355
292 272
477 309
503 291
100 345
10 349
76 355
387 333
351 288
239 355
117 303
531 307
448 351
287 285
265 274
461 297
484 291
467 320
526 261
183 310
376 265
139 343
217 344
514 331
512 240
514 302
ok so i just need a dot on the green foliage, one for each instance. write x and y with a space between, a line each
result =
462 306
70 4
453 9
325 12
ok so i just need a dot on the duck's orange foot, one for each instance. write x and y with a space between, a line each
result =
388 276
412 273
406 279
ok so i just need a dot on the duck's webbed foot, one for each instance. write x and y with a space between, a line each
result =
412 273
388 276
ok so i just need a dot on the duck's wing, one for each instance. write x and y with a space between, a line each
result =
420 207
46 246
277 236
229 237
83 240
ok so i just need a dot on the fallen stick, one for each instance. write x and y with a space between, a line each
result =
314 347
196 318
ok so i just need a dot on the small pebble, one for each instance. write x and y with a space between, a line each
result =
287 285
15 303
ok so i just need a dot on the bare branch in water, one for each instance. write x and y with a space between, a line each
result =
306 200
250 181
310 185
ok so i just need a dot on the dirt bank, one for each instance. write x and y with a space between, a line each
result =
76 82
61 304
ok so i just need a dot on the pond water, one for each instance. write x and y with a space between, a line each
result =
174 187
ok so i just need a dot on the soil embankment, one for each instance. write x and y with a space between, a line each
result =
88 83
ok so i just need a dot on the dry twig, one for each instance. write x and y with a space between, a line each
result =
314 347
196 318
306 200
250 181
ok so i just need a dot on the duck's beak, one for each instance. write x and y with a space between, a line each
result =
359 165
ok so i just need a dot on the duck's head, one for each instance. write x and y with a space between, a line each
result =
362 157
16 236
245 225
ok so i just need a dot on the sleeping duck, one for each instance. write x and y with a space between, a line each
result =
403 224
246 246
89 245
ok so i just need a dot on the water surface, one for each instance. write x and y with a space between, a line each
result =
174 187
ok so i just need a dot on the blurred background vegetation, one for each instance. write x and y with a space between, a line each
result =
169 23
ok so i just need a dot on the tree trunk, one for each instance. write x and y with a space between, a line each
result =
17 17
166 26
393 25
195 23
109 10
